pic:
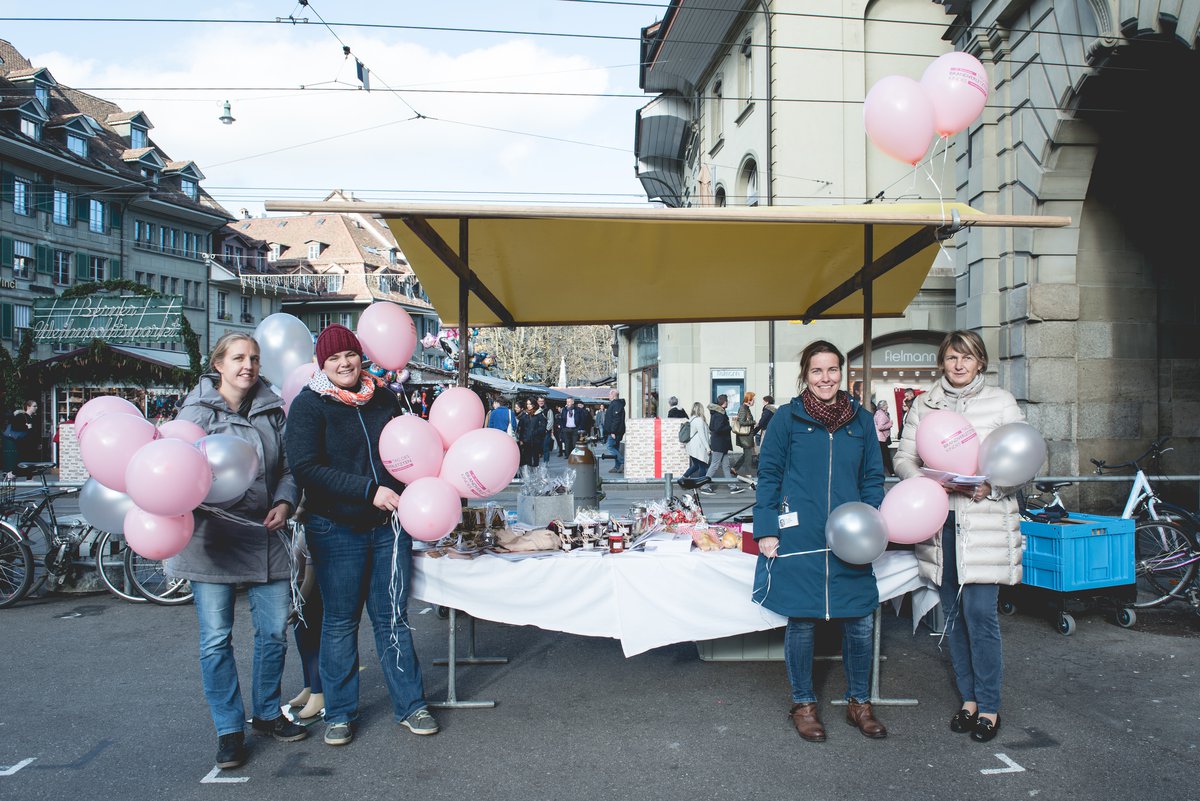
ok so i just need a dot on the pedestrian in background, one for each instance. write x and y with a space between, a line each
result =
222 554
547 414
744 426
763 421
697 447
720 441
614 426
883 428
532 434
818 455
332 445
675 411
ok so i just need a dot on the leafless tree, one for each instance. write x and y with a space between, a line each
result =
534 354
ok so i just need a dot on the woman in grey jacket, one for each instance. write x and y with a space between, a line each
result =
980 545
222 554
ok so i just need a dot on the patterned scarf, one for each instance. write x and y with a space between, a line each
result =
831 415
321 384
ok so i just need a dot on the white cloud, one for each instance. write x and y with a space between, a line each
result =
370 146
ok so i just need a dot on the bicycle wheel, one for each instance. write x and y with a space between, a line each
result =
1164 562
36 533
16 566
110 567
153 584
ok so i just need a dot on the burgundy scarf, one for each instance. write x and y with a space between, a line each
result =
831 415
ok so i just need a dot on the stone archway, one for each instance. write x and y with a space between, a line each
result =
1096 326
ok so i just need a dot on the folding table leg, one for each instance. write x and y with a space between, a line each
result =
452 663
877 657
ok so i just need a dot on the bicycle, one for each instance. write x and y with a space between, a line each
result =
16 566
58 546
1165 539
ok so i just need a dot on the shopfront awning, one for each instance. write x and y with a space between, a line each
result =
543 265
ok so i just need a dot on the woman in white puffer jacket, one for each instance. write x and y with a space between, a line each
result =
979 547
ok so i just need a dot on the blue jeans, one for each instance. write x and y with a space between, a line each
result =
355 567
972 630
612 446
696 468
547 446
269 607
857 642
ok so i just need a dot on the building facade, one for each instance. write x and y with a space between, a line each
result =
759 103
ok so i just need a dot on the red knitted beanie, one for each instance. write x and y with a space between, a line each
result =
335 339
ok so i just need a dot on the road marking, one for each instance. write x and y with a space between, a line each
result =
1013 767
9 771
214 777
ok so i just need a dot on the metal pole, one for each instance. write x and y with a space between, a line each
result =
868 311
452 701
669 481
464 294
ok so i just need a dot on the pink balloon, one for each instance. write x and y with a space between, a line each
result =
185 430
411 448
946 441
99 406
957 87
899 118
455 412
481 463
297 380
168 477
915 509
155 536
429 509
111 441
388 335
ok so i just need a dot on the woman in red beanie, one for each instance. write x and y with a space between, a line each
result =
332 445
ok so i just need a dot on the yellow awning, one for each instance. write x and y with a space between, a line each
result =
535 265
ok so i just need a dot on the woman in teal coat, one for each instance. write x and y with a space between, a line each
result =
819 452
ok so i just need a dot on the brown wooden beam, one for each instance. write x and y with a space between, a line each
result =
424 231
873 270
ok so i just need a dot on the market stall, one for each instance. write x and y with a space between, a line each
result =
503 265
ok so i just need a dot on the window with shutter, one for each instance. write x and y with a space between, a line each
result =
82 267
6 252
114 268
43 260
6 321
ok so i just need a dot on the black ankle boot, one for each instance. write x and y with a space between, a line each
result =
231 750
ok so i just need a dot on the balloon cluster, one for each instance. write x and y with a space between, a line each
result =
146 481
443 459
902 116
916 508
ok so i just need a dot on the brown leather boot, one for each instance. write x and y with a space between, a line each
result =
808 725
862 717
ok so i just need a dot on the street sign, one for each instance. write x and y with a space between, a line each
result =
111 318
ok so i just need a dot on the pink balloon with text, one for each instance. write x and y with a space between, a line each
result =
946 441
411 448
481 463
957 87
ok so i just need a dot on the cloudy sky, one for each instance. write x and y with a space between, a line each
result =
477 140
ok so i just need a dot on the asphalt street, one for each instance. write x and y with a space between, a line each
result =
104 701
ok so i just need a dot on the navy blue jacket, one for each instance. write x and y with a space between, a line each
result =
815 472
333 450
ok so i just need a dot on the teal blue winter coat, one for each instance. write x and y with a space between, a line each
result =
815 472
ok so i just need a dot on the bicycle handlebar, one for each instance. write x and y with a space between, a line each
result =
1156 448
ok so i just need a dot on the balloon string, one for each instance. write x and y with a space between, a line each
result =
770 560
941 196
397 617
293 564
950 619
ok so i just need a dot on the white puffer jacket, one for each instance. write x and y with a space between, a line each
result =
989 541
697 446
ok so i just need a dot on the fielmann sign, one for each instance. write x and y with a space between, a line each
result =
113 319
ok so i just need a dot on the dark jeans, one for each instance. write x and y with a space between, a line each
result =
746 460
531 453
307 633
570 437
886 451
972 630
696 468
355 567
548 447
857 643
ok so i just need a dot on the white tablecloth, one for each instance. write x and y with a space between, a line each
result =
644 600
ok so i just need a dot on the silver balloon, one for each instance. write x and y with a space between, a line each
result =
1012 454
856 533
102 507
234 463
284 344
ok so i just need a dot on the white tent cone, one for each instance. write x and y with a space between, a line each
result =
562 372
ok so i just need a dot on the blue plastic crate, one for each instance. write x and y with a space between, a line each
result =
1084 552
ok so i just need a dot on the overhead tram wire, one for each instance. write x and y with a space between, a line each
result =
518 32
